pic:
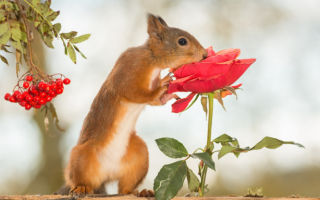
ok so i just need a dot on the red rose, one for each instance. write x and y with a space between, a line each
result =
217 71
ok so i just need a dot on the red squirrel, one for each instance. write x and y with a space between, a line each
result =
108 148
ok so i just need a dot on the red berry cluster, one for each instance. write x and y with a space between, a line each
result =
35 93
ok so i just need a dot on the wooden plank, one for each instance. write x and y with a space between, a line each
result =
132 197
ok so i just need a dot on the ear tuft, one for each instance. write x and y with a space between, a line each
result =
162 21
156 26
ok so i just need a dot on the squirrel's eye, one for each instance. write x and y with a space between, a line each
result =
182 41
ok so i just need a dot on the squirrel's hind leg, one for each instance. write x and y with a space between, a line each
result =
134 165
82 173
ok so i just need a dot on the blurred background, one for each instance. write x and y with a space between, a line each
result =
279 97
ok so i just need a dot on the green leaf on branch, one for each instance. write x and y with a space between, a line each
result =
4 27
53 16
272 143
5 38
35 2
48 41
170 180
65 47
223 139
193 181
72 53
231 145
4 48
172 147
78 50
69 35
79 39
3 59
16 34
206 158
226 149
57 28
54 116
18 46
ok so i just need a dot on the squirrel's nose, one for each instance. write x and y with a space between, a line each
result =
204 55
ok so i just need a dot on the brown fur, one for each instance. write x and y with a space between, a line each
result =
128 83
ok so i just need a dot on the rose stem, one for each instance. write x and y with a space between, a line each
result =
205 168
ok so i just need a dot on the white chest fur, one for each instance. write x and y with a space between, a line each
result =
154 75
111 156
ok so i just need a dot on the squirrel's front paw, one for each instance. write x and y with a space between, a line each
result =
163 97
157 98
167 97
165 80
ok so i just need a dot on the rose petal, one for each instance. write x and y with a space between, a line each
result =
202 69
202 86
177 85
237 69
210 51
213 83
182 104
223 56
237 86
182 80
228 51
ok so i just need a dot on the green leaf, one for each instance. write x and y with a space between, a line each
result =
235 142
206 158
54 115
78 50
193 181
80 38
53 16
4 48
225 150
48 41
72 53
36 23
4 27
272 143
170 180
18 46
35 2
223 139
4 59
69 35
57 28
16 34
5 38
44 28
65 47
172 147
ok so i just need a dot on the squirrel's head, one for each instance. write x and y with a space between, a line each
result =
172 46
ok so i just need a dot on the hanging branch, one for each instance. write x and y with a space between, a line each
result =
30 62
19 19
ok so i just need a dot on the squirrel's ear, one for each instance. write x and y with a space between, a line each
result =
156 26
